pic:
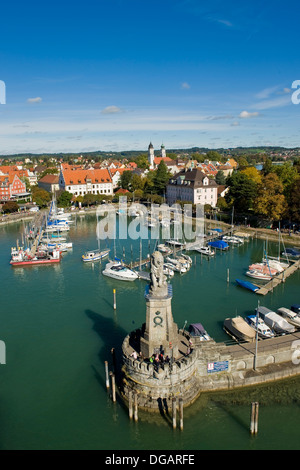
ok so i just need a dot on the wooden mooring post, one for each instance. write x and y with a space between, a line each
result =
106 375
181 413
254 418
113 387
130 404
174 409
135 399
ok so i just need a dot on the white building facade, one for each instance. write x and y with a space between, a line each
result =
192 186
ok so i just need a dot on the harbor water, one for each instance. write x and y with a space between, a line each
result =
59 325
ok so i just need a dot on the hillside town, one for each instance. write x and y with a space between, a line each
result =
217 180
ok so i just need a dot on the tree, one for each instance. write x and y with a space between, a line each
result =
242 191
9 207
294 201
220 177
137 182
268 167
142 161
40 196
222 204
161 178
125 180
65 198
270 201
287 175
252 173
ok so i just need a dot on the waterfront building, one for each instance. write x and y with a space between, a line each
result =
12 187
192 186
80 182
50 183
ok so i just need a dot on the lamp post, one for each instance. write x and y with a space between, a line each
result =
256 338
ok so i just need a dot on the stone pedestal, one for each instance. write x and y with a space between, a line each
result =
161 332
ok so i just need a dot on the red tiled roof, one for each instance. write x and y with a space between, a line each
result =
50 179
80 176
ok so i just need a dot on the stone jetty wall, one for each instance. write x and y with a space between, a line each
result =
211 366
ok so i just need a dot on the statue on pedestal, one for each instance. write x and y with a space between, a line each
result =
158 281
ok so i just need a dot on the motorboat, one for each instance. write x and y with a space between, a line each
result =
57 228
176 267
60 246
198 332
263 268
205 250
175 243
117 270
94 255
262 328
296 308
168 270
20 257
258 275
290 316
275 321
291 252
183 261
276 264
164 249
239 329
187 258
232 239
183 267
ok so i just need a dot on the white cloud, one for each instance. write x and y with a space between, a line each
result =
247 115
274 102
38 99
185 86
111 110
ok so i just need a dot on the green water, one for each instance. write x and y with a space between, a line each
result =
59 326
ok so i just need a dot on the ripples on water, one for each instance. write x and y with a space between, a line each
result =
59 325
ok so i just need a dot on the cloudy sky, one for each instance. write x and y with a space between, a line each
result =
115 75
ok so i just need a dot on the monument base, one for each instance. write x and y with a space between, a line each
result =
160 334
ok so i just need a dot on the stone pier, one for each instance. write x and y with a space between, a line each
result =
191 365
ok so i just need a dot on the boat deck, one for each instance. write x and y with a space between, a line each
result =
264 345
279 278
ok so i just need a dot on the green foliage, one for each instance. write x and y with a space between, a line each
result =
161 178
64 199
242 191
220 178
142 161
125 179
270 201
9 207
40 196
294 202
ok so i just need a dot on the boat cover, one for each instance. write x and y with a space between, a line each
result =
247 285
239 328
197 329
219 244
276 322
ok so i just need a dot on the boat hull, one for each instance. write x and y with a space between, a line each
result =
34 262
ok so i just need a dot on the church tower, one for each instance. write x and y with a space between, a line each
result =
151 156
163 151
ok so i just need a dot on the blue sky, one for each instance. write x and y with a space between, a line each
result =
114 74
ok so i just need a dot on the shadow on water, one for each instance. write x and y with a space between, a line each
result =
112 336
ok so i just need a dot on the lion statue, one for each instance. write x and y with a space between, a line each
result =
158 279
